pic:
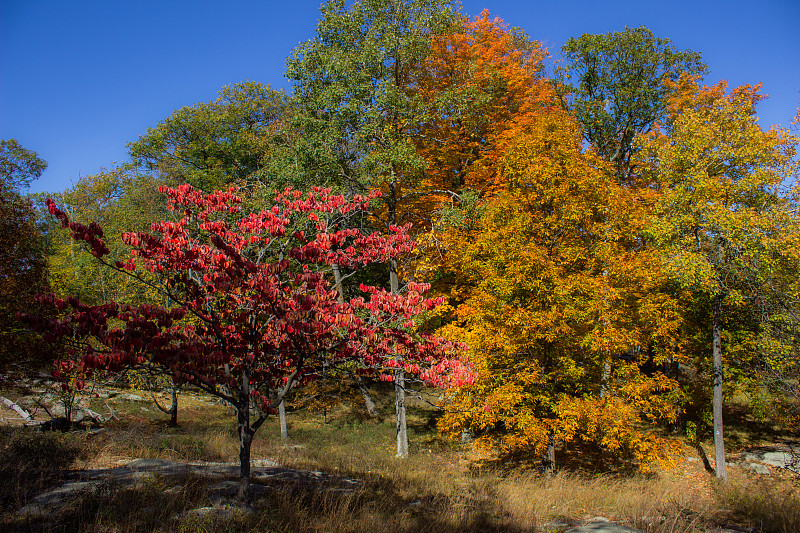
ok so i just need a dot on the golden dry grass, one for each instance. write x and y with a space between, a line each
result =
436 489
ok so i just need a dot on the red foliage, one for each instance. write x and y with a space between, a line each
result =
253 308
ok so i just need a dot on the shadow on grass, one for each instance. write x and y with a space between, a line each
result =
184 503
31 460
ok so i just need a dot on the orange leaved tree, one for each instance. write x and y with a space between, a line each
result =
477 82
555 293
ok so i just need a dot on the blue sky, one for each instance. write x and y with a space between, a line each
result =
81 78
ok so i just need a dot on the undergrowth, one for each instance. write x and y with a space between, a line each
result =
31 460
437 488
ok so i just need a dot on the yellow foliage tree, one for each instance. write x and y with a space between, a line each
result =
560 307
721 220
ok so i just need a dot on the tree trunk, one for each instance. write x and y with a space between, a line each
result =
19 410
605 378
719 443
400 409
550 457
372 410
245 437
245 441
282 416
399 379
173 409
337 278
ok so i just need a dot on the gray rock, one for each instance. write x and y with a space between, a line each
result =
554 525
222 493
174 489
264 463
223 514
63 493
756 468
781 458
601 524
602 527
129 396
150 464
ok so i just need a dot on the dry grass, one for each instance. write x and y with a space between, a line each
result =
645 502
763 504
435 489
30 461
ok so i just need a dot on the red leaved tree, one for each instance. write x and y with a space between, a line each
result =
253 307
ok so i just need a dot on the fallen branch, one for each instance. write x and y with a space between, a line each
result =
97 416
19 410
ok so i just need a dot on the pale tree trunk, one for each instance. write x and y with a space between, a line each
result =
394 280
399 380
20 411
372 409
284 428
337 278
400 405
606 375
605 378
394 286
245 441
719 443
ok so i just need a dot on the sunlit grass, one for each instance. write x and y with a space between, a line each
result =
437 488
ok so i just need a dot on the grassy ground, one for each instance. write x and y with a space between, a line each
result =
438 488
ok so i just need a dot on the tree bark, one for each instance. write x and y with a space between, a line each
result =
394 287
719 443
605 378
245 441
19 410
245 437
372 409
337 278
399 380
173 409
400 410
550 457
282 416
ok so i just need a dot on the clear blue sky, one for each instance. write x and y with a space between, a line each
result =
81 78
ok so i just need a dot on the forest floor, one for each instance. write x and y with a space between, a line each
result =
338 472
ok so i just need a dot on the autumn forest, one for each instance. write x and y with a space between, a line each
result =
574 253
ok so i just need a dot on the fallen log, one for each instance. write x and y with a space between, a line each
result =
19 410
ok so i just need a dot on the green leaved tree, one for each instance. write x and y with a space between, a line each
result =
355 108
23 268
242 136
720 219
615 84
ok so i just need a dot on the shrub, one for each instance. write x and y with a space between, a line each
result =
31 460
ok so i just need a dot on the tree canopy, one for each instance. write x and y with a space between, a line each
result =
616 86
252 309
18 165
239 137
604 239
